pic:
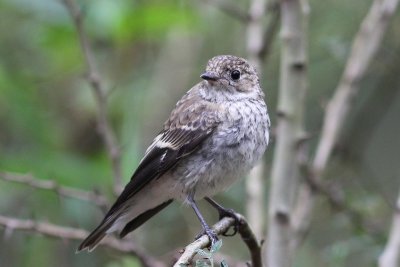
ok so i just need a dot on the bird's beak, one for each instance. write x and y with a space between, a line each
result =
209 76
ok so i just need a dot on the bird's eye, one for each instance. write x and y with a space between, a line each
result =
235 75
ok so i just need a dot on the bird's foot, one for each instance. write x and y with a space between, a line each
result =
232 214
223 212
212 235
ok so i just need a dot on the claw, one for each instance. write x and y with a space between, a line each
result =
223 212
211 235
230 213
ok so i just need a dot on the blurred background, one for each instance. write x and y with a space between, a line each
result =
149 53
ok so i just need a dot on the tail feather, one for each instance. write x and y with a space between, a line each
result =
110 224
91 242
142 218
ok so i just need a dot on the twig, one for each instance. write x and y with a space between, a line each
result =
270 32
365 45
336 200
390 256
251 242
175 254
229 9
99 92
332 194
60 232
221 227
65 191
255 32
290 131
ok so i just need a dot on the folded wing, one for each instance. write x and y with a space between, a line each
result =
190 123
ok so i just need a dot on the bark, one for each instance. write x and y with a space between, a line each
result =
289 132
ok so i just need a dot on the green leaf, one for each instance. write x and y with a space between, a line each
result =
204 253
202 263
216 246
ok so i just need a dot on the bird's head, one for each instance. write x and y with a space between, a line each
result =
231 73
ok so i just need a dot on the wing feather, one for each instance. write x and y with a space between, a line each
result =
183 134
190 124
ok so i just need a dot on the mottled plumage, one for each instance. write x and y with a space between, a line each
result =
214 136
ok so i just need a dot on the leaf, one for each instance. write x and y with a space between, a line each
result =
202 263
217 245
203 253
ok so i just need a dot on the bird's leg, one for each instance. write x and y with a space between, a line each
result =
223 212
207 229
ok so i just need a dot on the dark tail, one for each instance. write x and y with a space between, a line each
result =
142 218
91 242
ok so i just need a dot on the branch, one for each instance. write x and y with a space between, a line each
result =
229 9
251 242
365 45
289 131
60 232
28 179
255 32
100 95
270 31
335 198
221 227
390 256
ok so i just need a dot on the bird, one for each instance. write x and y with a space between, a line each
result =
214 136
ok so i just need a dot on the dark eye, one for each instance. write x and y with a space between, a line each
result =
235 75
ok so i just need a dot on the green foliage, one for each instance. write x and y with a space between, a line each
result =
207 259
152 21
125 21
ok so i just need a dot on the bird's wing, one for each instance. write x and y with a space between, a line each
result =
190 123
